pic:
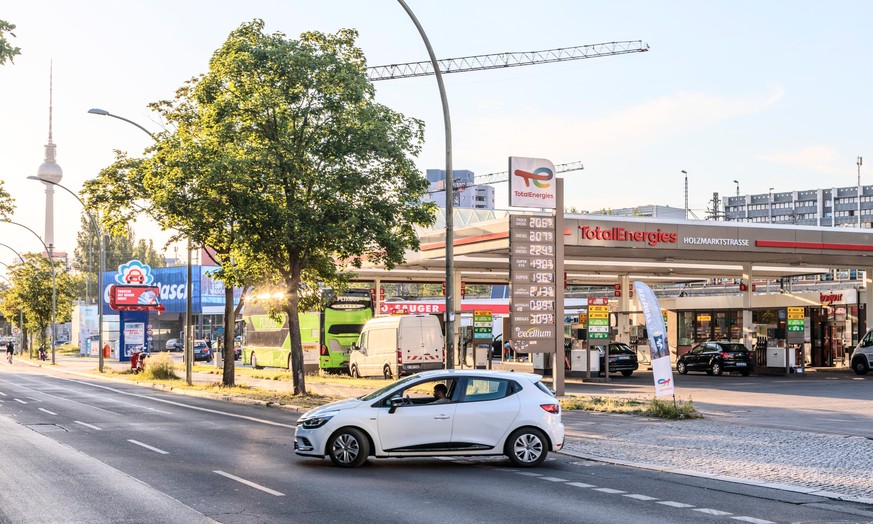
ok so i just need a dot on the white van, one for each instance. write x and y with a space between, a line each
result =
862 355
395 346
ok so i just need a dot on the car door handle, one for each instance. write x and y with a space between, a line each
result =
441 417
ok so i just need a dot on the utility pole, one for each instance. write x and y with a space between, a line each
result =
686 193
860 189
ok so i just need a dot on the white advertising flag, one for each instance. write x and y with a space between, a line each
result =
662 371
531 183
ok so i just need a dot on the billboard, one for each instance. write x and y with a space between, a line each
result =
532 183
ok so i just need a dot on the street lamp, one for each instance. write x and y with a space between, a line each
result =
189 328
737 182
54 281
450 183
770 205
101 248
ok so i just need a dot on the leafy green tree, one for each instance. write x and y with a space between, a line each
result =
31 292
280 159
7 50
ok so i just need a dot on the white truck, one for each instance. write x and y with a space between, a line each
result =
391 347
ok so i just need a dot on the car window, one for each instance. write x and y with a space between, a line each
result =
422 393
379 392
695 350
478 389
620 349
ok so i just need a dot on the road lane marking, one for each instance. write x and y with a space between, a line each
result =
61 398
87 425
581 485
609 490
715 512
553 479
156 450
47 411
19 400
753 520
674 504
108 399
639 497
2 394
250 483
529 474
35 399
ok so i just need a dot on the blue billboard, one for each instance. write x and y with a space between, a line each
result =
172 282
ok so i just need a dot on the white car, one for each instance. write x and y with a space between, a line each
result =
484 413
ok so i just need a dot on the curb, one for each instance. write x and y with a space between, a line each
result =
736 480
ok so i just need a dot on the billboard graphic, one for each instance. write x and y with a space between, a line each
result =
531 182
660 348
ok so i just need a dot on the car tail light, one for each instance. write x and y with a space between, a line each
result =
725 354
323 351
551 408
399 356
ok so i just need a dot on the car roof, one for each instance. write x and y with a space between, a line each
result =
493 373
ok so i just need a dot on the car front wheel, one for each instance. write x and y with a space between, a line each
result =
387 373
353 371
681 368
860 366
627 372
348 448
526 447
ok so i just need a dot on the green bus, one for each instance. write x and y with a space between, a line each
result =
325 335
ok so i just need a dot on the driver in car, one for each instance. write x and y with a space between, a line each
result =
440 393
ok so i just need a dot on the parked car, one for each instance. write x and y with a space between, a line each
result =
484 413
622 358
175 344
202 351
715 358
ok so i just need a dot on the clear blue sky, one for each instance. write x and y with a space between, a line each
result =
773 94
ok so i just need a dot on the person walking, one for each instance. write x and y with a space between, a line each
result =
10 349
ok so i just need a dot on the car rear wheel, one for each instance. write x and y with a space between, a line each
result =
860 366
348 448
746 372
716 369
255 362
627 372
353 371
681 368
526 447
387 373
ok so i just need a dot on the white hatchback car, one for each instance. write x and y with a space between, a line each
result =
483 413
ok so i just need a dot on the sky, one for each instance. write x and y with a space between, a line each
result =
770 94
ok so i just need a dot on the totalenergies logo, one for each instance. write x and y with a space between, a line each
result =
538 177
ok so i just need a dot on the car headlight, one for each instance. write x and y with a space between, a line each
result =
318 420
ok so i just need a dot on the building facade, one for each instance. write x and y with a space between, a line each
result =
835 207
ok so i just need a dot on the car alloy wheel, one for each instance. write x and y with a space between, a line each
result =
716 368
348 448
353 371
860 367
681 368
526 447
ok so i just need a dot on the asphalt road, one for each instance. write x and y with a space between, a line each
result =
83 450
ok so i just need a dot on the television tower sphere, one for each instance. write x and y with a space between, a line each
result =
50 172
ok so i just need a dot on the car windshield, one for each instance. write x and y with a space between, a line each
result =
379 392
732 347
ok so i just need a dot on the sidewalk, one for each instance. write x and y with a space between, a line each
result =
827 465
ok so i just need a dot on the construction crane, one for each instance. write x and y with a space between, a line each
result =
504 60
502 176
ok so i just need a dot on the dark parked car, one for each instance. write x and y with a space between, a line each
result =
715 358
202 351
622 358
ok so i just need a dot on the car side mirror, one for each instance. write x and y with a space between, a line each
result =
395 402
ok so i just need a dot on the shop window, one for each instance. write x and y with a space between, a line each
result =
686 329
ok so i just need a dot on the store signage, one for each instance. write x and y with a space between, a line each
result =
532 183
134 298
830 298
533 282
702 241
482 324
620 234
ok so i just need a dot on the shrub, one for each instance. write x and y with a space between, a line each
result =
160 367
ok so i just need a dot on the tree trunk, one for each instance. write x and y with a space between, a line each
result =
229 324
292 310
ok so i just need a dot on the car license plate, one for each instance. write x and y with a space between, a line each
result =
623 357
413 366
741 364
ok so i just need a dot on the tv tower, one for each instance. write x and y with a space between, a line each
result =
50 171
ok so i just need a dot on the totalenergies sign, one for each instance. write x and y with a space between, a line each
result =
531 183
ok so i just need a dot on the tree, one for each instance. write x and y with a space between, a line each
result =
281 160
7 51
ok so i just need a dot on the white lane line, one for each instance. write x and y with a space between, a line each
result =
35 399
553 479
674 504
250 483
2 394
62 398
19 400
109 399
753 520
610 491
715 512
639 497
156 450
87 425
47 411
581 485
529 474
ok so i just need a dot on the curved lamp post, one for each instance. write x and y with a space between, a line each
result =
189 331
450 198
54 281
20 311
101 248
